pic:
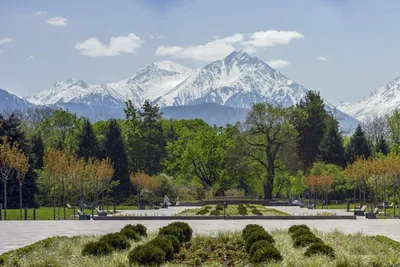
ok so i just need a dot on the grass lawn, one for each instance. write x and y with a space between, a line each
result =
47 213
224 249
232 210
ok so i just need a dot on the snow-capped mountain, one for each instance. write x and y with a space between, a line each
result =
151 82
382 101
238 81
9 101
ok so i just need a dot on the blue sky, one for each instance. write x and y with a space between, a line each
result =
44 41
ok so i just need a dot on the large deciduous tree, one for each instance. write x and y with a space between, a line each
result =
267 130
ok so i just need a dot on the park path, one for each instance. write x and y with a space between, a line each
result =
15 234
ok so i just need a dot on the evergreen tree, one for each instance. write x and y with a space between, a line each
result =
331 148
11 128
311 128
358 146
152 138
115 150
87 142
38 150
382 146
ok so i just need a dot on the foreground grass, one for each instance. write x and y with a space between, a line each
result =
232 210
224 249
47 213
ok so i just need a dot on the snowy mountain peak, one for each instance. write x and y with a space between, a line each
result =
382 101
72 82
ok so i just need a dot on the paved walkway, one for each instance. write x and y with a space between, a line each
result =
14 234
295 210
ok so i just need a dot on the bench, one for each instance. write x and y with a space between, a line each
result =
360 212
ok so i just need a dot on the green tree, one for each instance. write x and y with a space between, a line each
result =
310 127
382 146
331 148
152 138
114 149
38 150
268 130
358 146
88 145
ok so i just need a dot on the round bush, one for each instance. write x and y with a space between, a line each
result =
300 232
146 255
215 213
255 211
138 228
2 259
219 207
130 234
259 244
266 254
175 242
116 241
165 244
174 231
99 248
321 249
257 236
249 229
305 240
202 212
297 227
187 230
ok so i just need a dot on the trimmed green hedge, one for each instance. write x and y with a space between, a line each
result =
320 249
266 254
147 255
99 248
130 234
116 241
165 244
257 245
297 227
257 236
249 229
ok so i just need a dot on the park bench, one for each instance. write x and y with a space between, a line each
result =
372 215
360 212
311 207
101 213
83 216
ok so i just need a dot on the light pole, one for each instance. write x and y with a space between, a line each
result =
224 209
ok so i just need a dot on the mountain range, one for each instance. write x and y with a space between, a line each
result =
380 102
220 92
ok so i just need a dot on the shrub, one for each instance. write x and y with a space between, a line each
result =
257 236
202 212
319 248
215 213
207 207
255 211
130 234
305 240
116 241
219 207
242 210
2 259
174 231
296 227
146 255
187 230
165 244
259 244
138 228
99 248
266 254
249 229
174 241
301 232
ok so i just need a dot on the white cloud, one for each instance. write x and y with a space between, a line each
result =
40 13
29 57
271 38
278 63
57 21
158 37
118 45
210 51
5 40
322 58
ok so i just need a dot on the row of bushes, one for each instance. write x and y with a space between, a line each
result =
242 210
115 241
260 244
162 248
303 237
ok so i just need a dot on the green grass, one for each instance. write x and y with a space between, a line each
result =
232 210
47 213
222 249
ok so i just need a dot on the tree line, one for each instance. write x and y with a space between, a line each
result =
272 154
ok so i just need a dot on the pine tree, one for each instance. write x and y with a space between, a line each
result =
331 148
382 146
38 150
115 150
358 146
311 128
87 142
11 128
152 138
